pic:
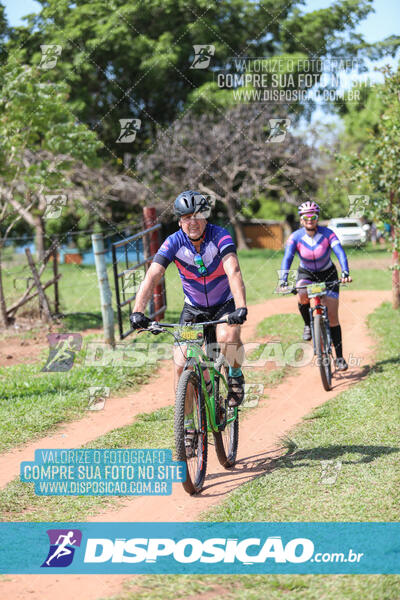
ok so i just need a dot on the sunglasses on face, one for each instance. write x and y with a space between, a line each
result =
187 218
310 217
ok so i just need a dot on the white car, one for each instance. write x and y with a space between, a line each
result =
350 231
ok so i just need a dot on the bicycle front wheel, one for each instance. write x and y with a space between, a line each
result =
227 440
323 355
190 428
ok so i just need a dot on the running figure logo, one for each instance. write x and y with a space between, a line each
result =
129 128
278 130
63 347
202 55
54 205
63 543
50 54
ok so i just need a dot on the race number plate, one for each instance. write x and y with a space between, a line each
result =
316 289
191 333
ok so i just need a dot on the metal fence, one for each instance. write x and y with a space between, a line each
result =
136 254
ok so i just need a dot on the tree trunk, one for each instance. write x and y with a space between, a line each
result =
395 259
39 238
237 226
3 310
395 277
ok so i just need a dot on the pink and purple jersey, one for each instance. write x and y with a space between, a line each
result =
314 252
207 290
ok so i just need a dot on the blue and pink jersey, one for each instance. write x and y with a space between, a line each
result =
314 252
201 291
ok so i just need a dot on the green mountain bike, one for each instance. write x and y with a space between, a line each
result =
201 405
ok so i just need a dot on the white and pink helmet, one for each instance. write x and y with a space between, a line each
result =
308 207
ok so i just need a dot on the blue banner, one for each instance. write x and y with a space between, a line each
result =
199 548
103 472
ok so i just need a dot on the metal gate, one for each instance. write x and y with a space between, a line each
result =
136 254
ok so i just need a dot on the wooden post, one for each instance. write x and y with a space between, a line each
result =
42 296
104 286
150 219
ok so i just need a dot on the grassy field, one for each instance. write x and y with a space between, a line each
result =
262 587
33 402
360 428
80 296
18 501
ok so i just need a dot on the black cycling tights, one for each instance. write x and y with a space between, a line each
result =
336 333
305 312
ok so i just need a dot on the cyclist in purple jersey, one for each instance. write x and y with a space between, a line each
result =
213 287
314 245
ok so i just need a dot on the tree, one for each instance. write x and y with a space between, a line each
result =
36 122
233 158
124 58
376 168
41 139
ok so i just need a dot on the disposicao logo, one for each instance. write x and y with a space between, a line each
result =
63 543
190 550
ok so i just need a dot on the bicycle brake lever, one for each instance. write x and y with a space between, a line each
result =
285 291
154 328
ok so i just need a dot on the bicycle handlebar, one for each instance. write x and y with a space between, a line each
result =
157 327
224 320
293 290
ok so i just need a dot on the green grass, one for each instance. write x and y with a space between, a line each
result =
361 428
79 294
257 587
18 501
33 402
285 327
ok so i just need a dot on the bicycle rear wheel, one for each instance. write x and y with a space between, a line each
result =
191 445
227 440
323 355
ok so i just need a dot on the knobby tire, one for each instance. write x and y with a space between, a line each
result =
324 359
189 385
226 441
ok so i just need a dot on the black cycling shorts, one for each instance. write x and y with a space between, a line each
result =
330 274
195 314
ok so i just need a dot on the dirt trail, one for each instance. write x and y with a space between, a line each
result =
120 411
14 350
259 442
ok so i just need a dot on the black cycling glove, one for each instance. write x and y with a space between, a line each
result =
238 316
139 320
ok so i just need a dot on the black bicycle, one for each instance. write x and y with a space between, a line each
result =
320 328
